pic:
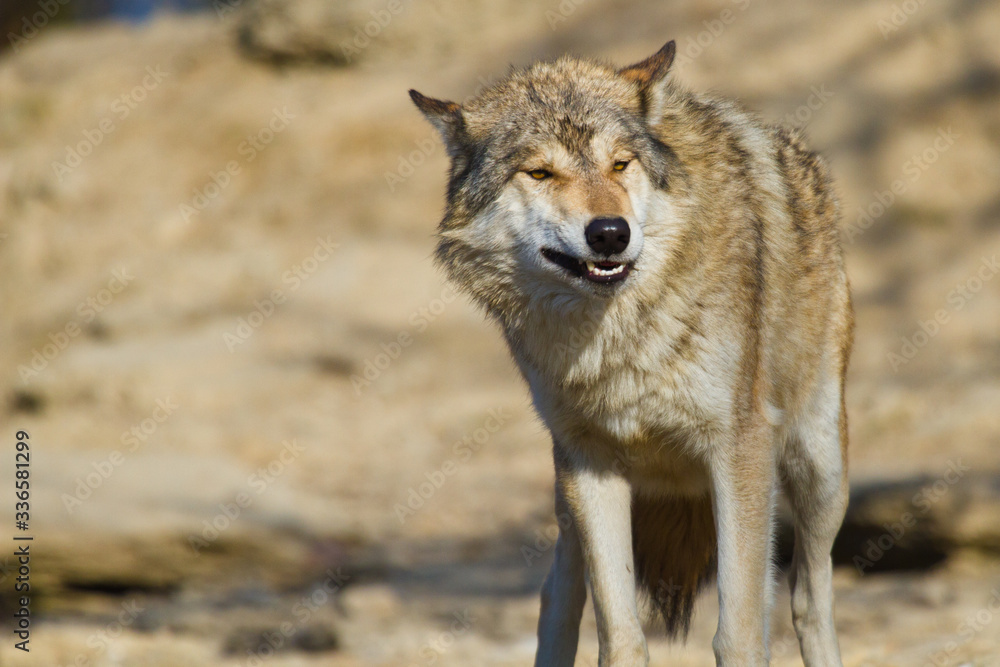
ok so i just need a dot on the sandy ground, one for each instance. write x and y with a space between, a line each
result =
201 251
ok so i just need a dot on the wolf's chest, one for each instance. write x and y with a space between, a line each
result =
629 381
648 432
627 405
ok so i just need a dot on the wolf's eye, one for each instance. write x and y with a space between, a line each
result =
539 174
621 164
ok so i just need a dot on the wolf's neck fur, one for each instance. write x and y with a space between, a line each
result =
651 326
672 325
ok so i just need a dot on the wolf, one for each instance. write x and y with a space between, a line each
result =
666 270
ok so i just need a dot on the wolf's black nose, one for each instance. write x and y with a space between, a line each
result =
608 235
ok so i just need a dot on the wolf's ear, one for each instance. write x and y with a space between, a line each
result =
446 117
651 75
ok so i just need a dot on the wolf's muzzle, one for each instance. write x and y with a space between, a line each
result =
608 236
595 272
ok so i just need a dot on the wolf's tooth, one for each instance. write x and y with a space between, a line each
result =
590 266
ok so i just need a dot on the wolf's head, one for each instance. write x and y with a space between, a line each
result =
554 171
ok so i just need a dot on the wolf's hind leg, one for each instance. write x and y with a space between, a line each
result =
563 596
815 479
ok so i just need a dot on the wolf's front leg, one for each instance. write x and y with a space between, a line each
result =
743 478
599 500
563 595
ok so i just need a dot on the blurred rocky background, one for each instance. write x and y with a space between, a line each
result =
264 431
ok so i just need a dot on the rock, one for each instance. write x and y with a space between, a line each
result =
372 601
286 637
304 30
346 32
915 523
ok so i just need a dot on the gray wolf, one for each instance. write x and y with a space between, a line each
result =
666 270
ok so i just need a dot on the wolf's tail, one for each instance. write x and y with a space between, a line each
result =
673 541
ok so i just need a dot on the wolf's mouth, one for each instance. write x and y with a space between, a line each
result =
596 272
